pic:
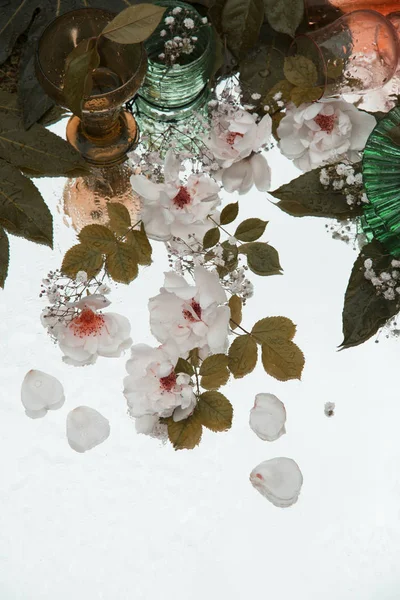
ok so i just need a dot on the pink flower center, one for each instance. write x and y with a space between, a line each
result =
326 122
182 198
87 323
259 476
231 137
188 314
168 383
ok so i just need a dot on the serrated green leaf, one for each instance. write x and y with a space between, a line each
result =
299 95
119 217
307 197
282 359
184 366
250 230
211 238
216 380
284 15
242 356
4 256
78 81
214 364
82 258
122 264
229 213
300 71
185 434
272 328
215 411
134 24
140 243
98 237
241 22
262 258
235 304
23 211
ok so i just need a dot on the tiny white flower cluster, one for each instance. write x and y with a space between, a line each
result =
346 178
386 283
180 35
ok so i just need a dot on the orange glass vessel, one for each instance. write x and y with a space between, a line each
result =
322 12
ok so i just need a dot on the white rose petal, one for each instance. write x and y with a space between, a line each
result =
41 392
268 417
86 428
279 480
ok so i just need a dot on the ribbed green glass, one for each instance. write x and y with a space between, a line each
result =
381 173
167 89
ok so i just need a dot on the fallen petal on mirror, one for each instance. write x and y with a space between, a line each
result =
41 392
86 428
279 480
268 417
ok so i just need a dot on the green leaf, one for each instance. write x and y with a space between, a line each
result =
299 95
215 381
364 312
272 328
262 258
235 304
250 230
215 411
242 356
78 81
184 366
262 70
241 22
185 434
284 15
9 103
282 359
4 256
140 243
15 18
334 68
214 364
82 258
134 24
120 219
229 213
211 238
307 197
23 211
284 88
122 264
300 71
98 237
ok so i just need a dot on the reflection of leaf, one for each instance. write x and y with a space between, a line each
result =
250 230
306 197
23 211
122 264
134 24
262 70
284 15
215 411
4 256
78 81
334 68
15 17
235 304
241 22
262 258
82 258
185 434
242 356
272 328
300 71
282 359
364 312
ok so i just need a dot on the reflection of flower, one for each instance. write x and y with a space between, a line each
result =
268 417
91 334
279 480
322 132
174 208
153 388
192 316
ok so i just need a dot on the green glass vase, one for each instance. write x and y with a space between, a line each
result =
168 91
381 174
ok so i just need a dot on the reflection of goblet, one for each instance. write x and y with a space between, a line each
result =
322 12
86 198
357 53
105 133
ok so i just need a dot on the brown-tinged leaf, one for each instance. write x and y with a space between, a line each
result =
300 71
9 103
262 258
241 22
122 264
215 411
242 356
213 364
185 434
272 328
184 366
229 213
4 256
140 243
78 81
211 238
216 380
250 230
98 237
134 24
284 15
299 95
235 304
282 359
82 258
334 68
23 211
194 357
119 217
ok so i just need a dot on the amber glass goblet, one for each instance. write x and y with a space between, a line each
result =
322 12
106 132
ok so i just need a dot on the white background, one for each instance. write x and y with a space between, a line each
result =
135 519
